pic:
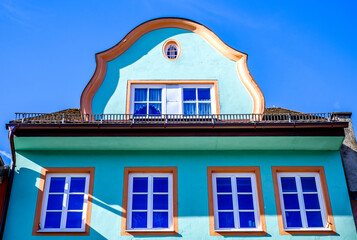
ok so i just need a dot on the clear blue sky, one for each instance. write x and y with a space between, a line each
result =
303 54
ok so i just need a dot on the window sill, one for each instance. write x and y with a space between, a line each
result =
60 233
254 232
150 232
308 232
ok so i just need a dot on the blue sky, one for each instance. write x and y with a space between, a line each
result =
301 53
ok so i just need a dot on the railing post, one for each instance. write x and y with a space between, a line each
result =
62 118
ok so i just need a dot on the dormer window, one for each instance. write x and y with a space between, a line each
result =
171 49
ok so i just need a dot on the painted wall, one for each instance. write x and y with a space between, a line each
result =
144 60
192 188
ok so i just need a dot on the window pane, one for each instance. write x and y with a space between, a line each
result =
139 220
140 108
225 220
291 201
189 108
225 202
245 202
314 219
140 184
204 108
140 94
140 202
288 184
55 202
244 185
78 184
308 184
161 202
311 201
189 94
161 184
53 220
204 94
160 220
247 219
293 219
57 184
74 220
223 185
155 94
76 202
154 108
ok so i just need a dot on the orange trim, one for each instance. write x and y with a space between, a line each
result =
110 54
321 172
129 170
41 189
170 82
256 171
169 42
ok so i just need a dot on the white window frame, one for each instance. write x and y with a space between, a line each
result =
297 176
148 86
180 88
64 210
234 193
150 210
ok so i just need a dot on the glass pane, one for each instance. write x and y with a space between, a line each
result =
141 94
314 219
308 184
53 220
140 184
311 201
76 202
78 184
161 202
155 94
225 202
189 94
139 220
140 108
74 220
291 201
244 185
247 219
55 202
161 220
293 219
223 185
288 184
245 202
204 94
140 202
225 220
161 184
189 108
57 184
154 108
204 108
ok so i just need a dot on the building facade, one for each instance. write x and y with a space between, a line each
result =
173 141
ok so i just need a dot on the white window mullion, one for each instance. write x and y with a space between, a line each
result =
65 203
235 202
301 202
150 202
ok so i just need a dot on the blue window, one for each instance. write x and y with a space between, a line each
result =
148 101
196 101
302 201
150 204
235 201
64 203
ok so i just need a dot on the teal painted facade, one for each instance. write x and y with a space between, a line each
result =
144 60
192 188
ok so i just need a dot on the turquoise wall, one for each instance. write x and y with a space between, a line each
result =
192 188
144 60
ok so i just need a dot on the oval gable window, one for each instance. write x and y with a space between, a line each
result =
171 50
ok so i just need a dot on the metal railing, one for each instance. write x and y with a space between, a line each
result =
125 119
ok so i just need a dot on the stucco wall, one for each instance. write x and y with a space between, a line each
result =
144 60
192 188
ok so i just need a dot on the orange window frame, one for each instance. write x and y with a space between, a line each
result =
256 171
40 196
329 215
129 170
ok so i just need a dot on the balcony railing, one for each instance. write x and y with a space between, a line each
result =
170 119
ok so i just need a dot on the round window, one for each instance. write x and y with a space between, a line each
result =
172 50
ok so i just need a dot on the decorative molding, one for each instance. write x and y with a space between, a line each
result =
103 57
